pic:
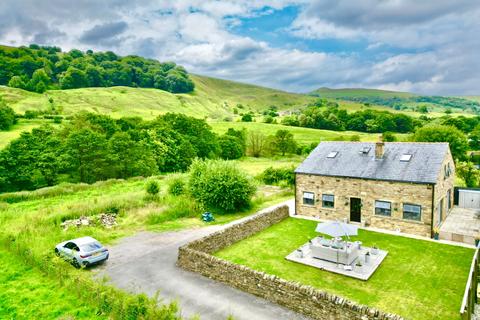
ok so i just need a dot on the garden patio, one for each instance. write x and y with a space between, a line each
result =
418 279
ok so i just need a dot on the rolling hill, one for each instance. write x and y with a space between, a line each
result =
212 98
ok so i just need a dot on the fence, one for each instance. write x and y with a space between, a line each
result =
470 296
197 257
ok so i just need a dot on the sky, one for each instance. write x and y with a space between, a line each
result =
426 47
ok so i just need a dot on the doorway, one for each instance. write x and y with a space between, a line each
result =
356 209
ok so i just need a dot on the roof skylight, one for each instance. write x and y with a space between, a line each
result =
405 157
332 154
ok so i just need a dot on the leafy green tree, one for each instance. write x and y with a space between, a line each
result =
73 78
231 147
39 82
284 142
85 155
474 138
220 185
256 143
439 133
7 117
17 82
468 172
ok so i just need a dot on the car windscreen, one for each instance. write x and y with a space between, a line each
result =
91 246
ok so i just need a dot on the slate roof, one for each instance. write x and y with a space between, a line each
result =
424 166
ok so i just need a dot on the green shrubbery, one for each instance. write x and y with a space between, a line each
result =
275 176
177 185
219 184
152 187
7 117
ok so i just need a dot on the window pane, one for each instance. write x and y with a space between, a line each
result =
382 204
412 212
327 197
308 198
383 208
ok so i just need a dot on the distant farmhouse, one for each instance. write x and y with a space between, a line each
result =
405 187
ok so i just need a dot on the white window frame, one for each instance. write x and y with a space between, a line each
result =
324 201
412 205
380 214
310 197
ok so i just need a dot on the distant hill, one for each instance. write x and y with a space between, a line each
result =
213 98
398 100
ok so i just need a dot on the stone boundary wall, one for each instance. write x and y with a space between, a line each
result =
196 257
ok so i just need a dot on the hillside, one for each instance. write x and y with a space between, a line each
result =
400 100
213 98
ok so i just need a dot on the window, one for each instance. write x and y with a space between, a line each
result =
332 154
405 157
383 208
309 198
447 170
412 212
328 200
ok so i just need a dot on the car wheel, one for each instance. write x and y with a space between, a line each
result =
76 264
57 253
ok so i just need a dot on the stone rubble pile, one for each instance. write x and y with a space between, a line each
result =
107 220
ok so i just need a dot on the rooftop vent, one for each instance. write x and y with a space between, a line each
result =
332 154
365 150
405 157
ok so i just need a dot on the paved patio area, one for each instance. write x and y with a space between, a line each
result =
461 225
303 255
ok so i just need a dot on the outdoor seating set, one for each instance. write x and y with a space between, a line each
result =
337 255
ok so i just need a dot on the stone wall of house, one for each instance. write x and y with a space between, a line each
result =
196 257
398 193
444 183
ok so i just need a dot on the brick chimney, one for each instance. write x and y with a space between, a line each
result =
379 148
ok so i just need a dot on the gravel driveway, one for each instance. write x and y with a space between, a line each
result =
145 262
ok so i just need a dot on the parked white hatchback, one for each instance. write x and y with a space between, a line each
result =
82 252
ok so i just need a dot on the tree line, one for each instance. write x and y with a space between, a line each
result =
38 68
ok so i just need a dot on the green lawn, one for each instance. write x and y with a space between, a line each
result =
26 293
418 279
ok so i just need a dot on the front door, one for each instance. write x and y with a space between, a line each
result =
356 209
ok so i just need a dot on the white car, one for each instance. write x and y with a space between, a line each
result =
82 252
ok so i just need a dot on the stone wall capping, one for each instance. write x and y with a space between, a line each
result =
196 256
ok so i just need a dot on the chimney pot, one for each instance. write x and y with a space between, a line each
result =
379 148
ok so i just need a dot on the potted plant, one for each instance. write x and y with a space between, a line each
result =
436 233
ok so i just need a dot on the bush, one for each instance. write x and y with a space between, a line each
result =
177 185
152 187
7 117
219 184
247 117
230 147
280 176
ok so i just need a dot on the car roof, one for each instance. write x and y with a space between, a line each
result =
83 240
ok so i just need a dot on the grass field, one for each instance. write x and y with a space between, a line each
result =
31 225
23 125
301 135
26 293
418 279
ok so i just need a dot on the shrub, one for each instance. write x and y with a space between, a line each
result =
230 147
281 176
177 185
220 184
247 117
152 187
7 117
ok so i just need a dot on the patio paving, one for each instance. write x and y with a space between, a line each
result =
303 256
461 225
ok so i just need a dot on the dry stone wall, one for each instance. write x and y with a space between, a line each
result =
196 257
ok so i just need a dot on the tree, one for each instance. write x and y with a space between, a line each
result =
284 142
220 185
17 82
39 82
73 78
256 143
389 137
474 138
439 133
7 117
468 172
231 148
85 155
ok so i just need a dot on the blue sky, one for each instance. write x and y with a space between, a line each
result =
428 46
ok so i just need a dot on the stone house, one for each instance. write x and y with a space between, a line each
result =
399 186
